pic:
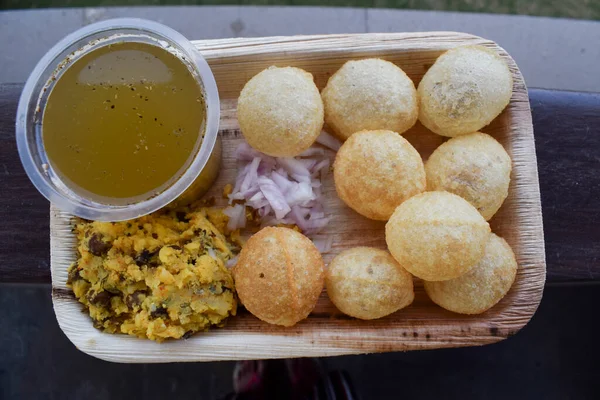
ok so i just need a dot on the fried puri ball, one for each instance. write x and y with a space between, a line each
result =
464 90
436 236
483 286
280 111
367 95
375 171
367 283
474 166
279 276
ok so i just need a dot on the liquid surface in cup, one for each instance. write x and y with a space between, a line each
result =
124 121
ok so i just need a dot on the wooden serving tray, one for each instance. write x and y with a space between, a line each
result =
327 332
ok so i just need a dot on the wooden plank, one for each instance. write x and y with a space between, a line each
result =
567 134
567 131
326 331
24 250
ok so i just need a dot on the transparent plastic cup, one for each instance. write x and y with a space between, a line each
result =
191 184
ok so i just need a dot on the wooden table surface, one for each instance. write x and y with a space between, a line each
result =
567 134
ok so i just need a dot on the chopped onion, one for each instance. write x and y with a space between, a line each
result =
232 261
281 179
295 168
282 190
245 152
273 194
329 141
211 252
251 175
308 163
237 217
257 201
264 211
312 151
323 164
300 194
323 243
300 213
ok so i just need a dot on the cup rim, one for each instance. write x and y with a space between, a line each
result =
106 212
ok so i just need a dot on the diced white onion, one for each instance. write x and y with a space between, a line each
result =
329 141
283 190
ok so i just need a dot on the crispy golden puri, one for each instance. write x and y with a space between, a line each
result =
280 111
375 171
483 286
279 276
367 95
464 90
367 283
474 166
436 236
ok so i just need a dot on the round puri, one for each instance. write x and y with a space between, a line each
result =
280 111
465 89
483 286
368 283
474 166
375 171
369 94
436 236
279 276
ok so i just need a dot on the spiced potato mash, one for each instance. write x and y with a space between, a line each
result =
159 276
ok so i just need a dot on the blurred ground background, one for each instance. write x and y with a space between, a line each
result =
580 9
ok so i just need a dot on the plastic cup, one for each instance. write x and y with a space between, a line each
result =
192 183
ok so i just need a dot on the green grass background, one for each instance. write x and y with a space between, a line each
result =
581 9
